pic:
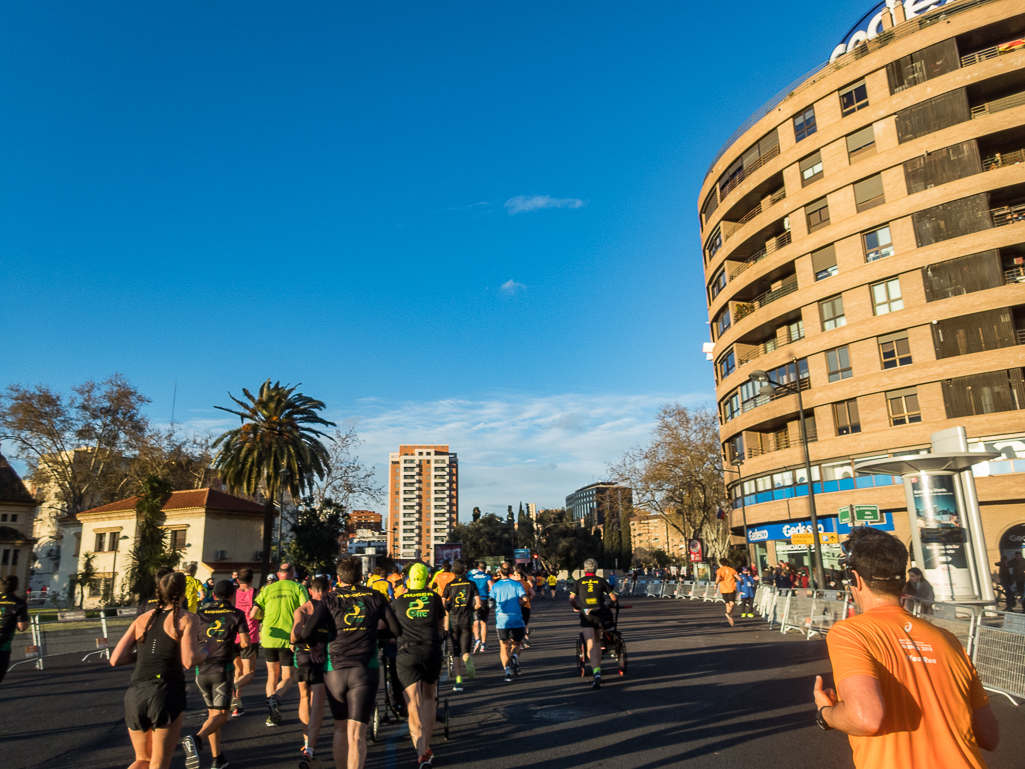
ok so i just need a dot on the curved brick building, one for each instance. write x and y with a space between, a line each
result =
864 239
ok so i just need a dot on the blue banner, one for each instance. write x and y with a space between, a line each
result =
784 531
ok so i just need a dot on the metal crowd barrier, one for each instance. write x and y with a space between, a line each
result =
654 588
668 589
684 588
74 633
999 652
25 648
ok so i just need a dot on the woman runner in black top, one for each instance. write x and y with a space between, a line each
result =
161 643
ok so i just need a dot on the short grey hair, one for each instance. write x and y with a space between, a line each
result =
590 565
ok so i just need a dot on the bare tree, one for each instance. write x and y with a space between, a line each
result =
78 444
679 476
347 482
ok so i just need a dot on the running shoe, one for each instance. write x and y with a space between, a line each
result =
525 644
191 748
429 757
476 646
596 683
305 759
457 687
508 675
516 665
483 647
238 711
275 709
219 762
471 670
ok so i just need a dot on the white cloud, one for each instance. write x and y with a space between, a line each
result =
511 287
525 203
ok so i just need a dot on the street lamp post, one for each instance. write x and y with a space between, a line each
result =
283 474
743 507
768 386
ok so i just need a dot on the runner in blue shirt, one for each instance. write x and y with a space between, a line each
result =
508 597
483 581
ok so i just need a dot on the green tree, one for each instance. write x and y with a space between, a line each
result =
151 549
567 547
660 558
85 579
275 448
488 536
315 529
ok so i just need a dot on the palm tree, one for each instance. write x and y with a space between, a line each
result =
274 448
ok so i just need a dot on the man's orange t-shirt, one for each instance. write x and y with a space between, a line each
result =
441 580
726 578
929 686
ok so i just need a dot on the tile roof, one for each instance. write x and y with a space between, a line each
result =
211 499
11 487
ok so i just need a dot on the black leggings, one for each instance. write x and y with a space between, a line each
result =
747 605
351 693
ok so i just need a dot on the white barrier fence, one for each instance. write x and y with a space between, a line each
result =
72 633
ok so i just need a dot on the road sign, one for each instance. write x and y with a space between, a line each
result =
805 538
860 514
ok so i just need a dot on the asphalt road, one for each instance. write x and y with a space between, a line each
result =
696 692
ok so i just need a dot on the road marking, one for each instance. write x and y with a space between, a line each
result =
389 746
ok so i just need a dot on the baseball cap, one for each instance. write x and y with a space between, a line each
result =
418 576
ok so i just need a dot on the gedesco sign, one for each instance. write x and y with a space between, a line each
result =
874 27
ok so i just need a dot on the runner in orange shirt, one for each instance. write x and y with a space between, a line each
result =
726 580
907 694
520 575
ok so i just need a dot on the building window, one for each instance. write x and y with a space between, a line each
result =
838 364
811 168
868 193
831 313
78 544
853 98
731 406
178 539
845 417
113 541
861 144
722 322
886 297
101 543
735 448
823 262
727 363
713 245
817 213
903 407
878 244
804 124
895 350
718 283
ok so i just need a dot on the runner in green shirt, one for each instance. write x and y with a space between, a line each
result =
275 606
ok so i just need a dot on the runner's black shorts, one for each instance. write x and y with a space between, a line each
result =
483 613
514 634
153 704
526 615
597 620
284 655
251 652
352 693
462 638
310 672
729 597
216 687
5 661
418 662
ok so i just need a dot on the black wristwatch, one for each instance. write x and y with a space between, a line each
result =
821 721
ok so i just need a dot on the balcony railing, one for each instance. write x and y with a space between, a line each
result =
999 105
1014 275
771 246
747 171
780 443
743 310
761 400
763 205
765 348
1008 215
1019 335
991 53
1001 159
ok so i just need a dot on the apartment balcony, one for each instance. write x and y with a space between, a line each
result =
768 346
743 309
1001 49
998 105
1008 214
747 171
769 444
1014 276
771 246
761 400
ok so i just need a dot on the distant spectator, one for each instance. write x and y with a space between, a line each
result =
746 590
1006 582
918 589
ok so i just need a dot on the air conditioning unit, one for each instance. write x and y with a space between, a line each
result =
221 555
257 555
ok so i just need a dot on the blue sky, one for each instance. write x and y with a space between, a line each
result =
463 223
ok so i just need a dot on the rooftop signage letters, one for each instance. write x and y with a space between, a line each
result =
864 32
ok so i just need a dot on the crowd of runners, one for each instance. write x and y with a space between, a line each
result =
333 636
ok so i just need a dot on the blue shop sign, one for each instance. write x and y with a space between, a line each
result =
784 531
